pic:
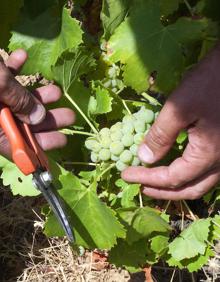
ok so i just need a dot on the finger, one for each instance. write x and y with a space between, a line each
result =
174 116
47 140
193 163
5 149
48 94
189 192
22 103
55 119
51 140
16 60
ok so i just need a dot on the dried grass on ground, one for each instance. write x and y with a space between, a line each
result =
27 255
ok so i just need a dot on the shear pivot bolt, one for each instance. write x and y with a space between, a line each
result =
46 177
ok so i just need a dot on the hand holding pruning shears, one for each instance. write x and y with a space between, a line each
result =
16 138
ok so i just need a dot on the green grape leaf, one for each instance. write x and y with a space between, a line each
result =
9 12
142 223
95 224
129 191
159 244
66 72
167 7
191 241
71 65
215 232
129 256
19 183
192 264
102 103
112 14
45 38
145 46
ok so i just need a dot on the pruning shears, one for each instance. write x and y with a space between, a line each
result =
31 159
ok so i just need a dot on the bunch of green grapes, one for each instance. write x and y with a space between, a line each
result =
111 79
120 143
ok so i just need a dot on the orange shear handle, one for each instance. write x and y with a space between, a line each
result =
26 152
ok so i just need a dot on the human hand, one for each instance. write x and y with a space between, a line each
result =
195 106
28 107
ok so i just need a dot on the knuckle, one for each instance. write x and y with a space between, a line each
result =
157 137
171 178
4 145
22 103
5 80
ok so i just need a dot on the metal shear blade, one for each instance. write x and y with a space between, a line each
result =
53 200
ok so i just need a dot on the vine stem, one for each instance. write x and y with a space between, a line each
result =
106 170
182 216
190 211
167 206
81 112
72 132
126 107
189 7
174 271
140 200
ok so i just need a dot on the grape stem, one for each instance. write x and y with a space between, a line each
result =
140 200
126 107
79 163
190 211
81 112
106 170
182 216
72 132
189 7
167 206
150 99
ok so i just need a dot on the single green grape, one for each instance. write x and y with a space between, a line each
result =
92 144
116 148
126 156
114 83
107 83
120 165
148 116
111 72
104 155
135 161
94 157
145 115
139 126
138 138
116 136
114 158
105 142
104 131
128 128
127 140
128 119
134 149
116 127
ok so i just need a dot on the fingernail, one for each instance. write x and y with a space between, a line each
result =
37 114
145 154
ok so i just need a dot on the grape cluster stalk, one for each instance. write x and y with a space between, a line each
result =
119 143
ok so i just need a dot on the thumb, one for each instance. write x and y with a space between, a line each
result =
22 103
163 132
